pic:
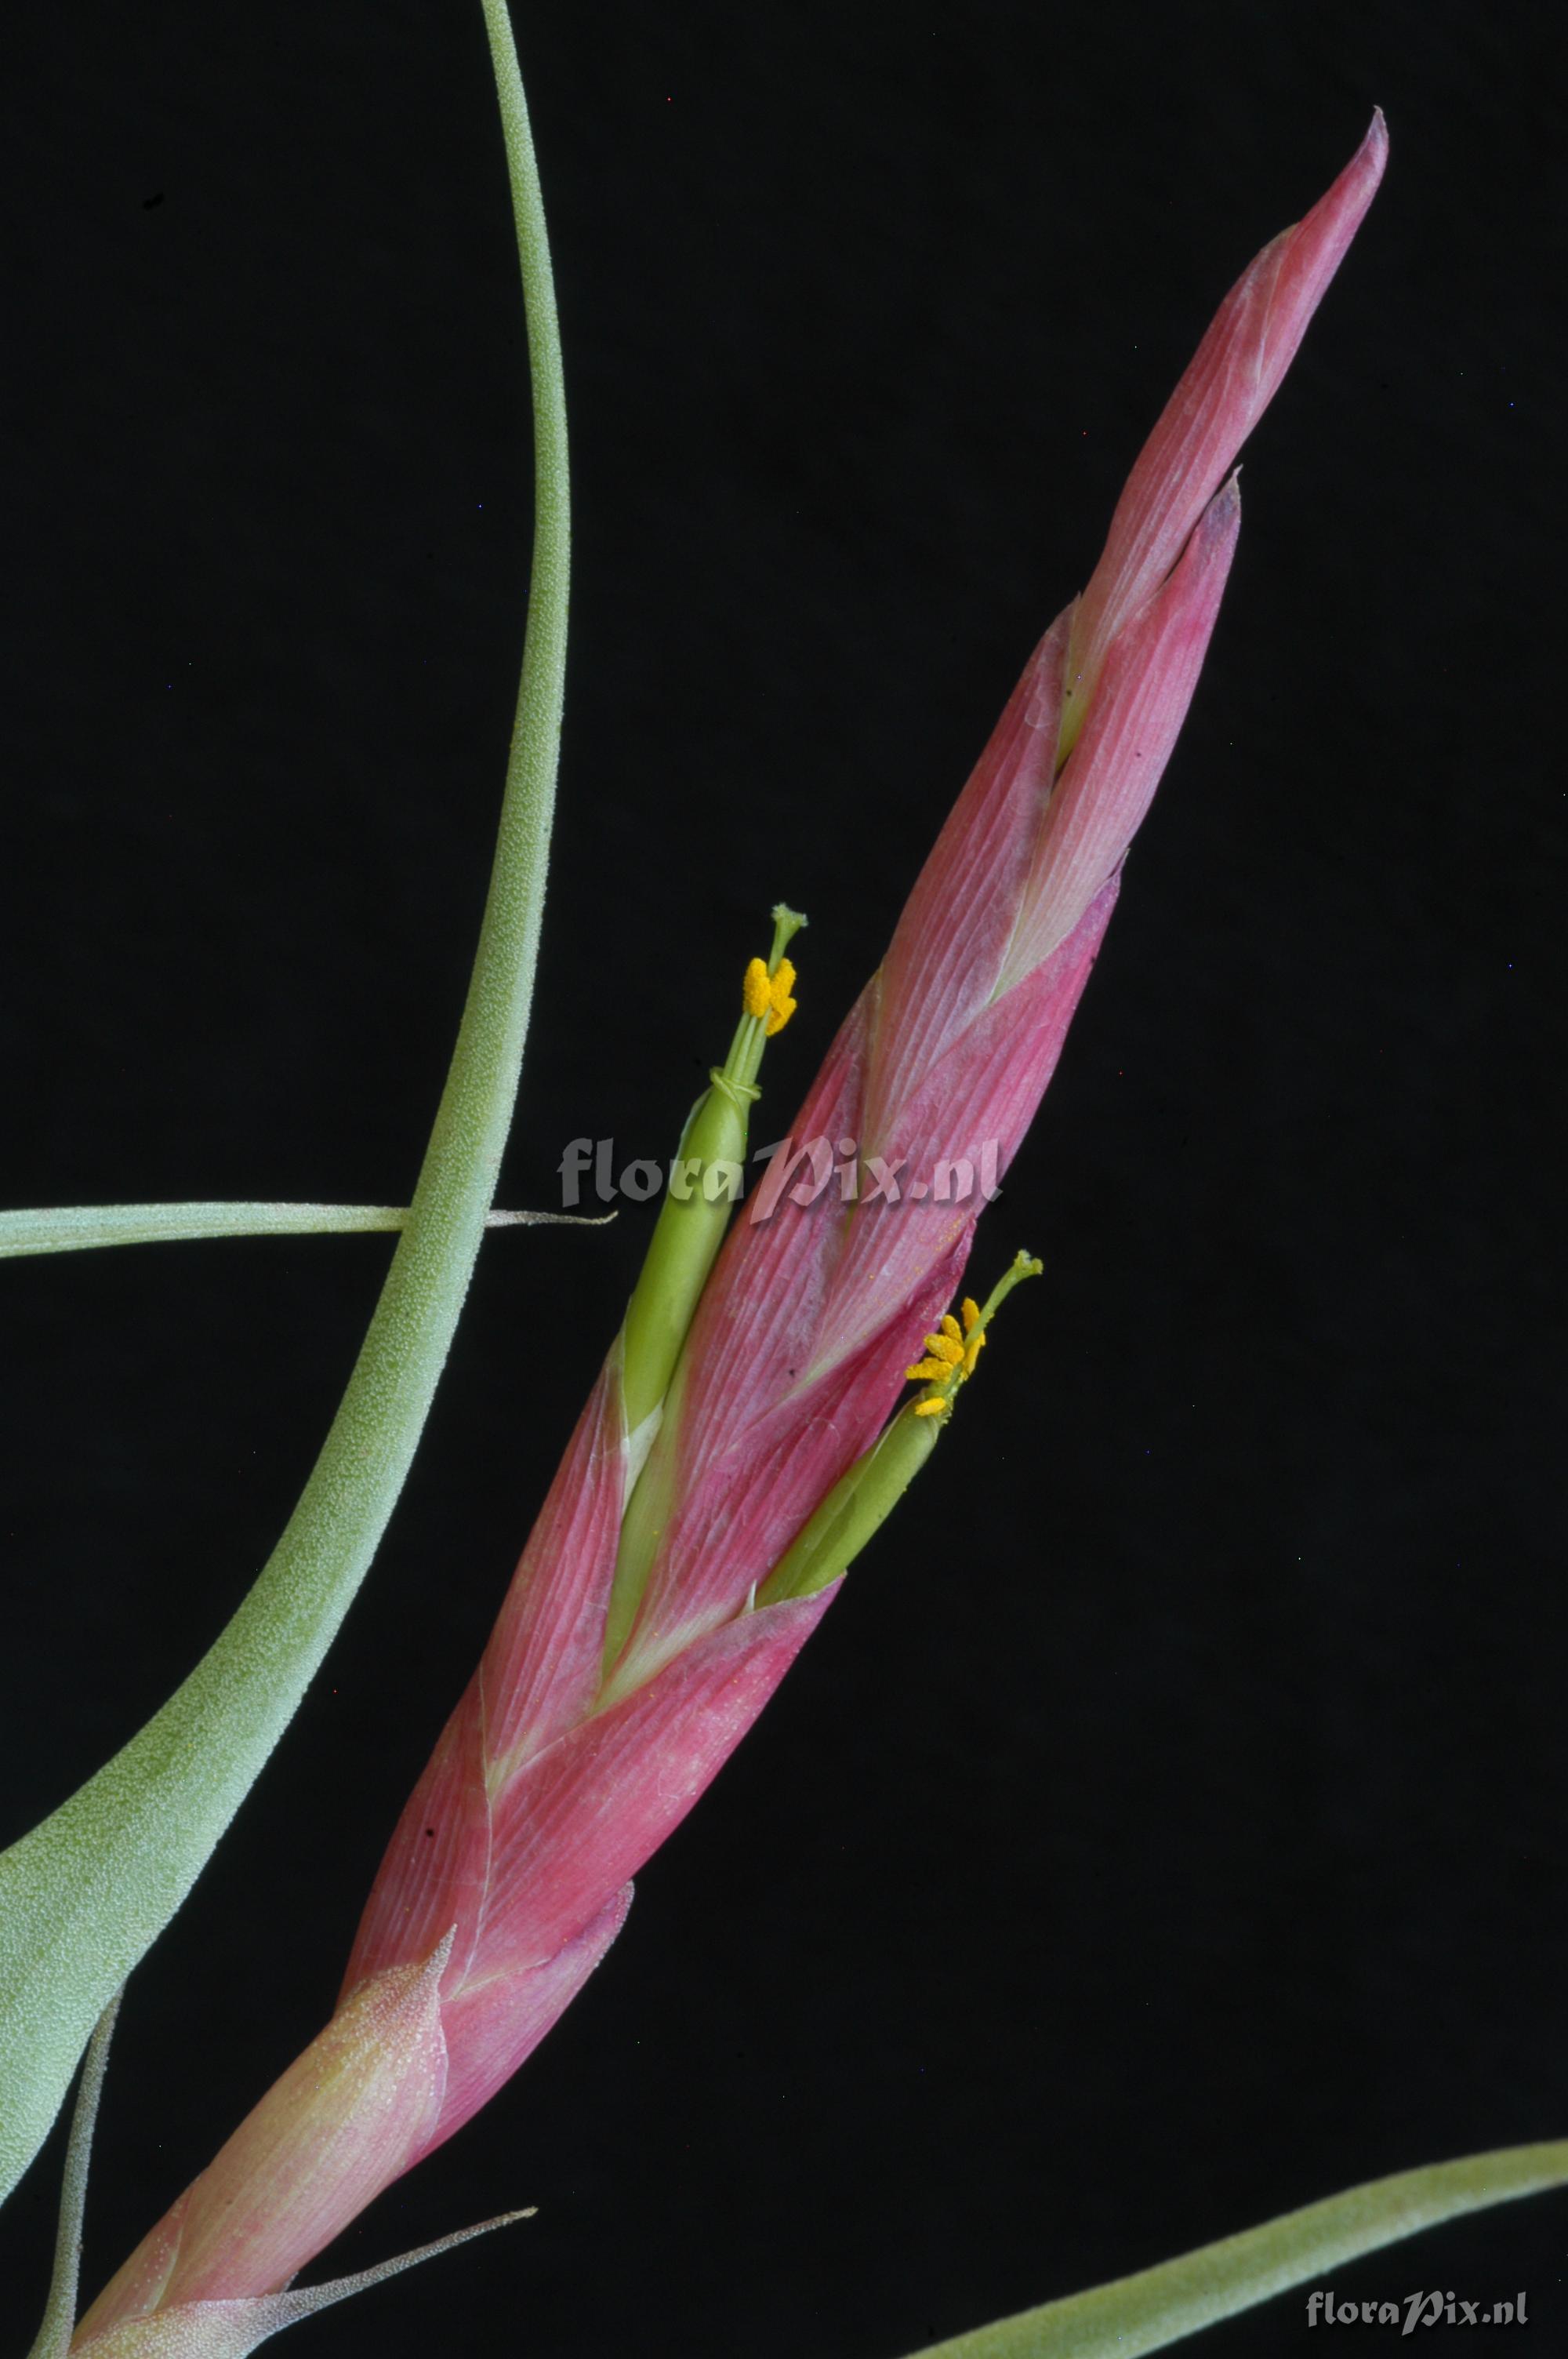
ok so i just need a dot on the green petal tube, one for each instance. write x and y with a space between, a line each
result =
694 1215
862 1501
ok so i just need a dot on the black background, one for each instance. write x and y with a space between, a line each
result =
1166 1827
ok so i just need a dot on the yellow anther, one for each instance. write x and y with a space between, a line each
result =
953 1352
780 1006
768 997
757 989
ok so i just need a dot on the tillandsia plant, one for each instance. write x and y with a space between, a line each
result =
788 1361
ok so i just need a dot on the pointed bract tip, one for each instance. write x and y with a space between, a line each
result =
1373 153
1221 521
1353 191
1214 537
1227 501
232 2330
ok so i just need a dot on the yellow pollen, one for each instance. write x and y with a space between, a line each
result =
756 990
953 1354
950 1357
780 1006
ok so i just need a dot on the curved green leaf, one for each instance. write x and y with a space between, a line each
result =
1159 2305
83 1894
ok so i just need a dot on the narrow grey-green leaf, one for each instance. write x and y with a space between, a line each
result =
76 1228
59 2310
83 1894
1159 2306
